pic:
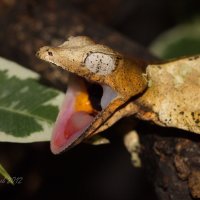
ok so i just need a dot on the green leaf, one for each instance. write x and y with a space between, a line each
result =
5 174
183 40
27 108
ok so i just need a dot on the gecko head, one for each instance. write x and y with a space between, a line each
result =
82 56
101 81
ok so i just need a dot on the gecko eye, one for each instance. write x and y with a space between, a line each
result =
100 63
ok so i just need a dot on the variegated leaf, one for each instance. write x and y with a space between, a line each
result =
28 109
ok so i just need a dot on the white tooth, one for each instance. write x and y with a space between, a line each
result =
108 95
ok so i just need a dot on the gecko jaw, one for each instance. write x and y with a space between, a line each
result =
80 107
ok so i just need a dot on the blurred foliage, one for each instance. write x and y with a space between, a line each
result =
182 40
5 174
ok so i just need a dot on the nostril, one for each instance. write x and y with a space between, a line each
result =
44 51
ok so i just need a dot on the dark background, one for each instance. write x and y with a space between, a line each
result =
84 172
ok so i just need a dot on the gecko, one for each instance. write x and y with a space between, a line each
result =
105 86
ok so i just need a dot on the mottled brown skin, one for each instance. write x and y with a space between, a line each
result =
173 95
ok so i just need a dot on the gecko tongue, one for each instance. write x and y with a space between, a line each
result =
72 120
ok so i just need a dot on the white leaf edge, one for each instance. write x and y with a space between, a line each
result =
14 69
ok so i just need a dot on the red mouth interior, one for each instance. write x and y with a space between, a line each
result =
73 118
78 111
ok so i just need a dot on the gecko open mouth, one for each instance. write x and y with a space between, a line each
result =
82 103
